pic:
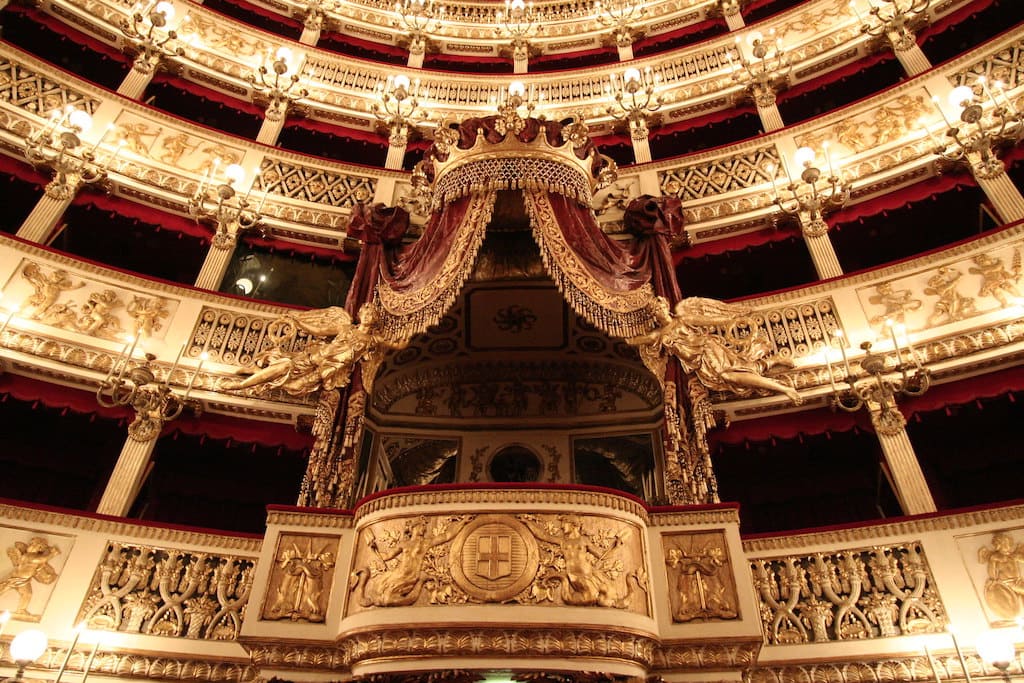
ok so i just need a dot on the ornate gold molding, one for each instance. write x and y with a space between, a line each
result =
876 532
114 528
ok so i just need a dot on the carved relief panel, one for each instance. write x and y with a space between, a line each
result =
301 579
702 586
33 562
995 563
525 559
53 296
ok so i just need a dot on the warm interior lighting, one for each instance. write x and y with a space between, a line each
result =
804 157
80 120
165 8
996 648
960 96
754 38
28 646
401 82
234 173
516 89
631 76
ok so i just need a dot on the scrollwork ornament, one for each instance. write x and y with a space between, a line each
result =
815 227
888 421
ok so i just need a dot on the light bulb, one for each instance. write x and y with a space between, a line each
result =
631 76
81 120
960 96
804 157
28 646
516 89
996 648
754 37
234 173
165 8
401 82
283 54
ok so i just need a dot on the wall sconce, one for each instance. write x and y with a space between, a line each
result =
808 202
635 99
977 134
148 33
223 206
398 108
58 146
135 386
519 22
418 18
277 84
768 71
619 15
895 19
875 386
27 647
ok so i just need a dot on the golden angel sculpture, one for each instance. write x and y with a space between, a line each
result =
720 361
325 363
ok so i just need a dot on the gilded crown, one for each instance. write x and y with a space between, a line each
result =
510 152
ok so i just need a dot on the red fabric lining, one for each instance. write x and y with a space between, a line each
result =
221 427
791 425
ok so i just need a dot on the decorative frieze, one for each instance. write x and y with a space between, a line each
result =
848 595
168 592
719 176
313 184
28 89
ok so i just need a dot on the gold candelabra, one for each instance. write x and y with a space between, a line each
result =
223 206
635 99
58 146
809 199
619 15
767 72
134 385
878 385
314 12
895 19
149 35
518 22
398 108
278 84
419 19
987 120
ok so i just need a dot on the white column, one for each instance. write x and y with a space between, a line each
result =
126 479
911 488
39 225
734 20
137 79
914 61
625 52
641 143
417 51
768 109
396 157
273 124
1005 196
311 29
823 254
215 265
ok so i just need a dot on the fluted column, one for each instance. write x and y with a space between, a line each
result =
768 109
520 56
1005 196
126 479
625 50
417 52
40 223
216 263
311 28
137 79
913 60
911 488
733 18
273 124
641 143
823 253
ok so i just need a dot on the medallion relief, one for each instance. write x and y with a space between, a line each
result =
527 559
300 582
702 586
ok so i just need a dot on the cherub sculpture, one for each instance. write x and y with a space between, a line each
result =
323 363
721 362
48 287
